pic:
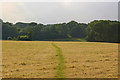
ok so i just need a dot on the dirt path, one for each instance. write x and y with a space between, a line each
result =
60 68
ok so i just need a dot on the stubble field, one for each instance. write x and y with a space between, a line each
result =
47 59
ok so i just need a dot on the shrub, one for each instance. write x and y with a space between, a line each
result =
23 38
10 38
14 38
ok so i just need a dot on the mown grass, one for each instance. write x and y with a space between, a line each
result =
28 59
40 59
90 59
60 73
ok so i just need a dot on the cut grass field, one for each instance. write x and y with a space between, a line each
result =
47 59
90 59
22 59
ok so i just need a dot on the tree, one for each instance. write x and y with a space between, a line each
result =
30 35
8 31
103 30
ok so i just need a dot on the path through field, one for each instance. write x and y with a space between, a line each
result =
46 59
61 66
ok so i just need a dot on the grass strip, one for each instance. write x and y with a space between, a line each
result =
60 68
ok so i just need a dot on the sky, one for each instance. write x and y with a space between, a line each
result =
47 12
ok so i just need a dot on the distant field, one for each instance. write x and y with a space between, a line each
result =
47 59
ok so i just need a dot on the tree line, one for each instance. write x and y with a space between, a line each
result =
97 30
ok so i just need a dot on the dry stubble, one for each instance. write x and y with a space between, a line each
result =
28 59
90 59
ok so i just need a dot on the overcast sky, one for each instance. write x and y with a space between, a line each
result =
58 12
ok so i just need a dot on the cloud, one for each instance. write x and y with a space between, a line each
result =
0 10
12 12
59 0
54 12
